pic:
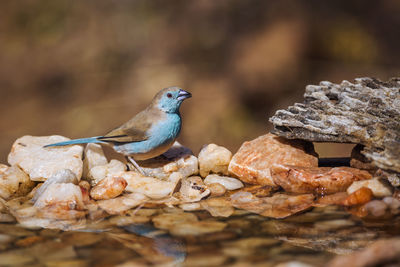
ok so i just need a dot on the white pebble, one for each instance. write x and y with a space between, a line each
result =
378 188
214 159
228 182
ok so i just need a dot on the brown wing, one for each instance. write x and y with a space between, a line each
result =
135 130
121 135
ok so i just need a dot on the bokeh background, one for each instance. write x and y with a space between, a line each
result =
81 68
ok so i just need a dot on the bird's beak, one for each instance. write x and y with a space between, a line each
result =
183 95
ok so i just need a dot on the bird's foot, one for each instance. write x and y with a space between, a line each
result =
137 167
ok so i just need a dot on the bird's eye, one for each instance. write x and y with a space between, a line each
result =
169 95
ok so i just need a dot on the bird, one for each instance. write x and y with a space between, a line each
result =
149 133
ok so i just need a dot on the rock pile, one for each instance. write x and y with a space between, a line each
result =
270 176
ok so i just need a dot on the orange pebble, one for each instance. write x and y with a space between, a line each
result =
361 196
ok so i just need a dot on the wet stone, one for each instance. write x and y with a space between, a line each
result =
122 203
322 180
109 187
216 189
214 159
109 170
193 189
253 161
63 176
379 188
228 182
40 163
14 182
177 159
152 187
358 197
94 156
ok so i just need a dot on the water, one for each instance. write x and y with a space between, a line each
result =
313 238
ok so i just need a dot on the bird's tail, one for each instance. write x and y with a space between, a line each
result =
77 141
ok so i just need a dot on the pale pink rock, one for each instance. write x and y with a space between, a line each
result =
322 180
109 187
39 162
254 159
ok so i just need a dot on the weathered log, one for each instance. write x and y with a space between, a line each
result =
365 112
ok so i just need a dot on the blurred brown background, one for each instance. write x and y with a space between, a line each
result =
80 68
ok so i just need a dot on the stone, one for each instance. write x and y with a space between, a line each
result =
359 197
364 112
14 182
177 159
62 176
93 156
228 182
321 180
122 203
260 190
100 172
216 189
40 163
193 189
192 206
253 161
332 199
278 206
378 187
214 159
152 187
109 187
62 196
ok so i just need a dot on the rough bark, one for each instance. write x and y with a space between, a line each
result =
365 112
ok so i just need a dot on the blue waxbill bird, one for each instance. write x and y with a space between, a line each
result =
148 134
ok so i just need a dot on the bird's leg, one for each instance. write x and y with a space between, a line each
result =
140 170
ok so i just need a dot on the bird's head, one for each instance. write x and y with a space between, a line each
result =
170 99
